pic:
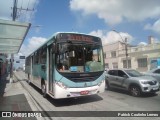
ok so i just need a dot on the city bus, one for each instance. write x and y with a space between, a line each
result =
67 65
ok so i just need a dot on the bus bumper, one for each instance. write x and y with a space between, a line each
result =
62 92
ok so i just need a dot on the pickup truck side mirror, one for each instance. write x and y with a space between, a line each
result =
125 76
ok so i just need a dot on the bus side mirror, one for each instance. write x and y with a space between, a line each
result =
54 48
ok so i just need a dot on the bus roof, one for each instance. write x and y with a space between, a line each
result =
55 34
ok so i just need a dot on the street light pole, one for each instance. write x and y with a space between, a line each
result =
126 48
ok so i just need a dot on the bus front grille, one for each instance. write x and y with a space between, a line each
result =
83 79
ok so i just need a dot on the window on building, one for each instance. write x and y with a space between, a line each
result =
142 62
113 54
106 66
105 55
115 65
125 64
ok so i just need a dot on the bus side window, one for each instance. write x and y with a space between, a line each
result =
43 55
35 58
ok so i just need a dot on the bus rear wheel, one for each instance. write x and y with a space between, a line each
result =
29 81
43 88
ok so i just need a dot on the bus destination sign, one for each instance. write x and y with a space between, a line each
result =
78 38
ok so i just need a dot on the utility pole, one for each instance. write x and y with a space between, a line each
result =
14 13
126 49
14 16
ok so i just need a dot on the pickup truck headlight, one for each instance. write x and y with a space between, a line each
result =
144 82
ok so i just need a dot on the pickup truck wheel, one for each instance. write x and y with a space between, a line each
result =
135 91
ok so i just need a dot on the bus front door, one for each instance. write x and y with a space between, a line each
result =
51 71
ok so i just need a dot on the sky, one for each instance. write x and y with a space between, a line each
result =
131 19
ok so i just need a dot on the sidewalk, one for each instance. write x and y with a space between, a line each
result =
12 97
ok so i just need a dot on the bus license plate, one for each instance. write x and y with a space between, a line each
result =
84 92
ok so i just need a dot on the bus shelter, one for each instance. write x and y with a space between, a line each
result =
12 35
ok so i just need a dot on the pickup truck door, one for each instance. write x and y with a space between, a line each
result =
111 77
121 78
156 74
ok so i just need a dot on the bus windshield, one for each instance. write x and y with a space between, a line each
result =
72 57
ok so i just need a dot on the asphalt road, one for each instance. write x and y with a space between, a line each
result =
110 100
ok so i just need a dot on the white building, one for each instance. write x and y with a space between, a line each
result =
139 57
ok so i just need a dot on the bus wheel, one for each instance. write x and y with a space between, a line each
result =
43 88
29 81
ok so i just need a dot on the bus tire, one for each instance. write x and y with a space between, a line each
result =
43 88
29 81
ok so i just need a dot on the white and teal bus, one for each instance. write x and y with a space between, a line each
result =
68 65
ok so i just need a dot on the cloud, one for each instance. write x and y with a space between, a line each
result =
115 11
155 27
32 45
142 44
111 36
6 8
21 61
26 49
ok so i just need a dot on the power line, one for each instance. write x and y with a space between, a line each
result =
33 8
15 14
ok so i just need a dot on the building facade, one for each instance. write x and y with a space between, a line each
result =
139 57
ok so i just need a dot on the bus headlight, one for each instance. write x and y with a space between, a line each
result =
62 85
99 84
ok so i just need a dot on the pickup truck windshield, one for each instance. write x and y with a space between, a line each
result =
133 73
